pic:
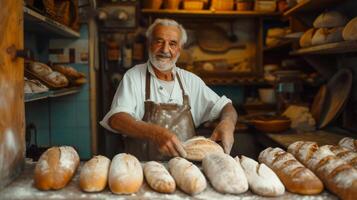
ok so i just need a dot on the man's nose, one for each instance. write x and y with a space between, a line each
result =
166 47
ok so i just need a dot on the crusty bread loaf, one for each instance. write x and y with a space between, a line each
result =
327 35
94 174
188 176
330 19
350 31
125 174
348 143
158 177
344 154
262 180
306 38
225 174
40 69
295 177
338 176
55 168
198 147
68 71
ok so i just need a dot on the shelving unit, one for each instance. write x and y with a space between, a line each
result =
310 5
51 94
36 22
331 48
279 46
209 13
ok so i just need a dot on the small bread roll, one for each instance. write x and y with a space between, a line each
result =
159 178
55 168
305 39
94 174
125 174
198 147
262 180
350 31
225 174
330 19
187 176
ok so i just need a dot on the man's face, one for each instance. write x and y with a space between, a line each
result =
165 47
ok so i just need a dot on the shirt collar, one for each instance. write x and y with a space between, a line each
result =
151 70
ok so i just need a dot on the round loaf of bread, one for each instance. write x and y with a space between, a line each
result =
330 19
125 174
350 31
327 35
188 176
55 168
305 39
94 174
159 178
198 147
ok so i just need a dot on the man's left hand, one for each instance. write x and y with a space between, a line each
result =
224 132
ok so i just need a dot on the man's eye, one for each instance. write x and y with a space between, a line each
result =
173 44
159 42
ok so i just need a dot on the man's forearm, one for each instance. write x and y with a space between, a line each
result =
228 113
126 124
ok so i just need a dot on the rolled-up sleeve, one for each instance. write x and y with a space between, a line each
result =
124 100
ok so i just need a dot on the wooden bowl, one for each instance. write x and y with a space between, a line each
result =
277 125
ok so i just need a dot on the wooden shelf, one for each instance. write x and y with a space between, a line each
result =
209 13
36 22
331 48
285 44
51 94
310 5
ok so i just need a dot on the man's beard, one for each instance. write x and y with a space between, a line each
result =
162 65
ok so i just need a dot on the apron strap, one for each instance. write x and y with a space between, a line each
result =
148 82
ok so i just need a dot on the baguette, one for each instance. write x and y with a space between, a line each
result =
344 154
159 178
125 174
198 147
56 168
338 176
295 177
348 143
188 176
225 174
94 174
262 180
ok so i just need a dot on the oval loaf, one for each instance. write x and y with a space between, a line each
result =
159 178
94 174
198 147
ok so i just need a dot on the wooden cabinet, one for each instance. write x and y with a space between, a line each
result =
12 131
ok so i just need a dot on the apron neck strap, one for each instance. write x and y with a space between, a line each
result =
148 82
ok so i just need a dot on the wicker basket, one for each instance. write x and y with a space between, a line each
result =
222 5
172 4
153 4
193 5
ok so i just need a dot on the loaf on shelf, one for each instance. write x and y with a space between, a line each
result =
225 174
158 178
55 168
348 143
330 19
350 31
188 176
68 71
44 73
262 180
94 174
327 35
338 176
306 38
198 147
125 174
296 177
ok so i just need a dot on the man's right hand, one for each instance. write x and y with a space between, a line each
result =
169 144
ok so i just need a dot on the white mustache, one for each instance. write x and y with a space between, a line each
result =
164 55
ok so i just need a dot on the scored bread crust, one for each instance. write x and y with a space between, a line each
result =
198 147
159 178
94 174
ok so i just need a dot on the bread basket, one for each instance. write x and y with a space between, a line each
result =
269 123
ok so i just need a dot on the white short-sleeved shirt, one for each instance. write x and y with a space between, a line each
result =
205 104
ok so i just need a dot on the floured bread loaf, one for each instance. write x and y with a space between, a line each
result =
327 35
55 168
94 174
348 143
225 174
306 38
350 31
338 176
295 176
330 19
158 177
198 147
125 174
262 180
344 154
188 176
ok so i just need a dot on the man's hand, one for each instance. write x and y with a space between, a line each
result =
224 132
169 144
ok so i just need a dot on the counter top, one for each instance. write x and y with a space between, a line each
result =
22 188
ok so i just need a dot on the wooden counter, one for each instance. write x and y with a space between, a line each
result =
22 188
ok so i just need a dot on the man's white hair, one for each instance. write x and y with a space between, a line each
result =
167 22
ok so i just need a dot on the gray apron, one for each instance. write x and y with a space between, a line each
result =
177 118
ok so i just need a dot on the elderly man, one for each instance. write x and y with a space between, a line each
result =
158 105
